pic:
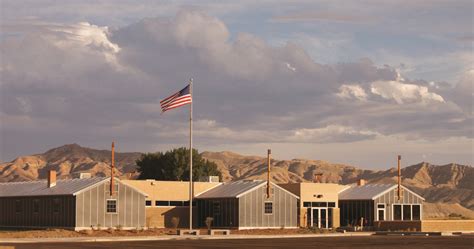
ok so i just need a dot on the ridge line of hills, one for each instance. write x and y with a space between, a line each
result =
447 188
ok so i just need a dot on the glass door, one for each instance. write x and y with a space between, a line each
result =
319 217
324 218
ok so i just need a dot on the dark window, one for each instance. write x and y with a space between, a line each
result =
331 204
111 206
306 204
148 203
176 203
319 204
162 203
381 214
268 207
36 206
55 205
186 203
406 212
216 207
18 206
397 212
416 212
380 205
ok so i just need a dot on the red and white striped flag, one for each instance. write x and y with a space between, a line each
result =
178 99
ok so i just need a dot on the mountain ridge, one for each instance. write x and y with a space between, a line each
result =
448 187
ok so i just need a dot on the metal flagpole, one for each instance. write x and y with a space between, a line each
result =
191 156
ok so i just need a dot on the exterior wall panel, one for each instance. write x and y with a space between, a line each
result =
91 207
46 217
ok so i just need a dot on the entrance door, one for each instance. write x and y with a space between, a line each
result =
319 217
381 214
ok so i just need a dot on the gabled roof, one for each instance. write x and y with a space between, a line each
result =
369 191
364 192
237 189
231 189
40 188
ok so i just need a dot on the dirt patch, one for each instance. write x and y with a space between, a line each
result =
62 233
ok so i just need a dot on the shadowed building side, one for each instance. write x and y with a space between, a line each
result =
72 204
246 205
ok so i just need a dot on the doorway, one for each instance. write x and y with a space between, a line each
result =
320 217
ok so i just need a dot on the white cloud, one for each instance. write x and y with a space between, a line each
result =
352 91
331 133
404 93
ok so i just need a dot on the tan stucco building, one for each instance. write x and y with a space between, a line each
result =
318 204
168 199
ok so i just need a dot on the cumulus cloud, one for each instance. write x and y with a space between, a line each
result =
402 92
92 83
352 91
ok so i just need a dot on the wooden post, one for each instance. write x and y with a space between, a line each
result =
112 168
268 173
399 176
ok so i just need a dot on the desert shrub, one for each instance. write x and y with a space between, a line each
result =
208 222
175 222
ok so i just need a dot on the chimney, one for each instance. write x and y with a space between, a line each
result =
317 178
399 176
268 175
51 178
112 170
361 182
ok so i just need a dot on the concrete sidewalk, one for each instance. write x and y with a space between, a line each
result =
175 237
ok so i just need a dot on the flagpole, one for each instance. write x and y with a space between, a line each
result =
191 156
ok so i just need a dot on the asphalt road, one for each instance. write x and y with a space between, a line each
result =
380 242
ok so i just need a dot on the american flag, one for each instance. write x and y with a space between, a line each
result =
178 99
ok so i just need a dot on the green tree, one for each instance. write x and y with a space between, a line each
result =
173 165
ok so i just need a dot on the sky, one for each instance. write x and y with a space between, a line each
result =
354 82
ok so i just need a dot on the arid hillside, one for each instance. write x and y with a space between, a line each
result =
446 188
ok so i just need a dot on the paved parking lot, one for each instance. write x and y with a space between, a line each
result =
398 242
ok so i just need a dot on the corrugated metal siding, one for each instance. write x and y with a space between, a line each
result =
227 217
46 217
91 207
390 198
252 209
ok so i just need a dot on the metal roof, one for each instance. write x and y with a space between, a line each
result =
231 189
40 188
365 192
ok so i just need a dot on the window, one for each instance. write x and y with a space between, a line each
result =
319 204
306 204
186 203
416 211
406 212
111 206
36 206
380 212
148 203
397 212
331 204
216 207
18 206
268 207
176 203
55 205
162 203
